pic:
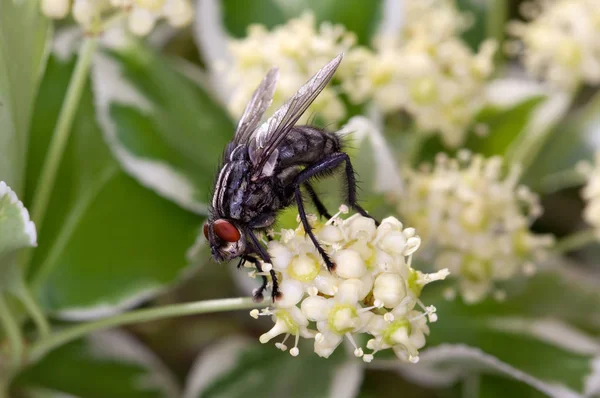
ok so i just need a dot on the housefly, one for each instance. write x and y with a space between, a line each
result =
266 168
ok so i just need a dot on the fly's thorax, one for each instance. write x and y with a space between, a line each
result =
230 189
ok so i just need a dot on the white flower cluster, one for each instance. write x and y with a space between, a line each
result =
373 289
475 219
561 41
428 72
591 194
142 15
299 50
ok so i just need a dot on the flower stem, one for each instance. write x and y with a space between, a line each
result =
60 137
201 307
32 307
575 241
497 12
13 333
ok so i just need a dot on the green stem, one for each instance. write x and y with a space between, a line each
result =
13 333
497 12
32 307
59 140
575 241
69 334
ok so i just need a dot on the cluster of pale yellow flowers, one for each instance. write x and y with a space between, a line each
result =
427 71
475 219
373 289
299 49
560 43
142 15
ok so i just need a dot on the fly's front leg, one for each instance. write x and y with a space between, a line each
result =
317 202
264 255
258 294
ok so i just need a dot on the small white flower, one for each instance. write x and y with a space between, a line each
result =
475 218
56 8
372 275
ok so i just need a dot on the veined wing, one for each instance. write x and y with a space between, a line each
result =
263 148
259 102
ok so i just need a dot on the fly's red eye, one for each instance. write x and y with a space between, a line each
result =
206 231
226 231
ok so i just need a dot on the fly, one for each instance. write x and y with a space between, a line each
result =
264 170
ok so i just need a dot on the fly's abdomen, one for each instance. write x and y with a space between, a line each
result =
304 145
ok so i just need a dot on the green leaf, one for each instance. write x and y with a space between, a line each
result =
537 325
16 229
107 243
166 132
573 139
491 386
238 368
24 34
239 14
106 364
504 125
358 16
477 32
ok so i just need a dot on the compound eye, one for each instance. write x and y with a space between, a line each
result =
206 230
226 231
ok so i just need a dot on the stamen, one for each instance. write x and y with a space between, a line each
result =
282 345
413 359
254 313
267 267
376 304
343 209
358 352
295 351
312 291
389 317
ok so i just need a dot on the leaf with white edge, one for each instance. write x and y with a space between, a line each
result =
106 364
574 138
108 243
24 34
241 368
164 129
16 229
446 364
528 329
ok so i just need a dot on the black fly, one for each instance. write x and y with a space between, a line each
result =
264 169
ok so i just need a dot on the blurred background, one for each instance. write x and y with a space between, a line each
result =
475 122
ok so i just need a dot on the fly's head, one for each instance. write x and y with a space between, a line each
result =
226 239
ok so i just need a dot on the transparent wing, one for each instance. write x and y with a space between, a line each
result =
256 108
268 137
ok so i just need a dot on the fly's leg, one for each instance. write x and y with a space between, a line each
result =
317 202
260 250
351 185
308 229
326 165
258 295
